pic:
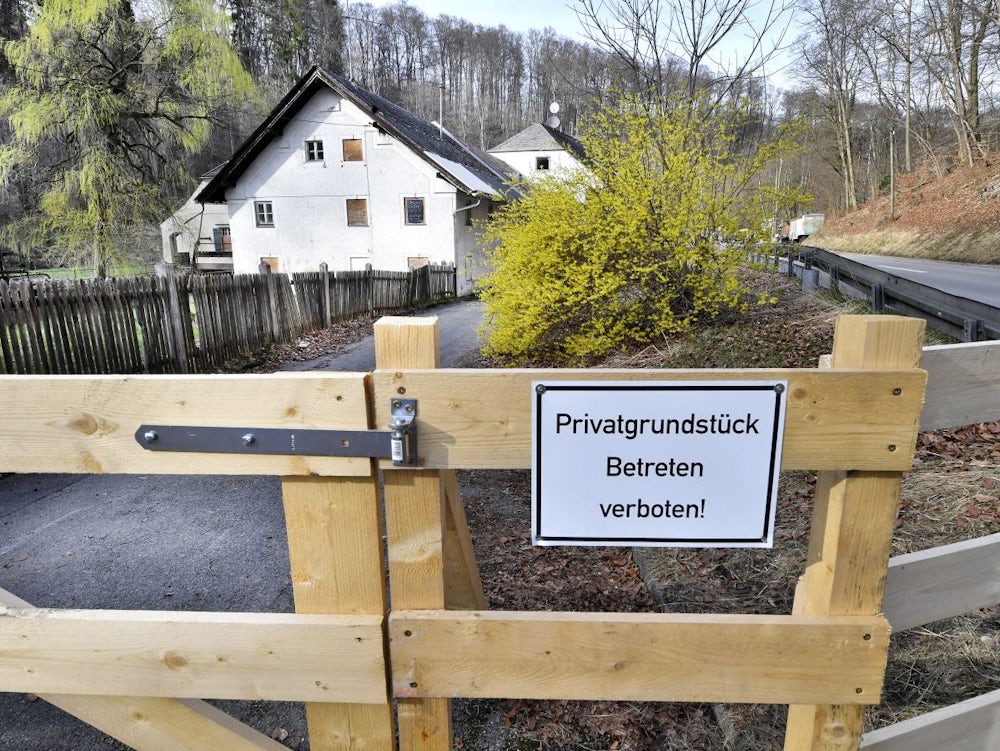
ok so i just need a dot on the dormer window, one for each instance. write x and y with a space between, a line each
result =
541 162
314 151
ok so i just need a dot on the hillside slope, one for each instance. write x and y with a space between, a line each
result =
952 217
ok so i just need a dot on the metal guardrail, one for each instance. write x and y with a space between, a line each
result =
959 317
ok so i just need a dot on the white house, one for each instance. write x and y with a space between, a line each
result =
541 150
340 175
198 233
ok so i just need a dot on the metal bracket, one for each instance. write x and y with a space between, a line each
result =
399 443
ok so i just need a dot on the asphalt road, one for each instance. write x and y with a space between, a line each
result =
457 322
970 280
152 542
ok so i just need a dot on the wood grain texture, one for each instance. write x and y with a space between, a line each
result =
638 656
942 582
157 724
335 551
963 384
88 423
835 419
853 520
193 655
415 521
972 725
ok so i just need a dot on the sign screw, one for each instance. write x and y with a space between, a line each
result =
540 388
150 436
249 439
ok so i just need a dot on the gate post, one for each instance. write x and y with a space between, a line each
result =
851 536
431 562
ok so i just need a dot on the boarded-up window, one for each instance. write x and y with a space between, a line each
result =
353 150
357 212
271 262
413 210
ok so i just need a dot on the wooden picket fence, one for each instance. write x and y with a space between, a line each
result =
189 323
377 662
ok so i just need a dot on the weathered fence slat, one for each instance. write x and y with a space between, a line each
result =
136 325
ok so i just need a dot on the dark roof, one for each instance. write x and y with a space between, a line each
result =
539 137
455 161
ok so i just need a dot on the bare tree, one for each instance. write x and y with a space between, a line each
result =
676 46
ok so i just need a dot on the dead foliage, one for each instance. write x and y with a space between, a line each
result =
952 494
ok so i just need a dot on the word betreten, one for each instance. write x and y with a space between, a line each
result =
643 468
633 427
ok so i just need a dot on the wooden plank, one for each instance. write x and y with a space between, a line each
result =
638 656
335 549
972 725
88 424
463 587
148 723
279 657
963 384
156 724
414 523
853 520
835 418
942 582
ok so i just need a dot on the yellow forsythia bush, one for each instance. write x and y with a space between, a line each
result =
627 250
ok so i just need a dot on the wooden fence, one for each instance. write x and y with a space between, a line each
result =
377 664
188 323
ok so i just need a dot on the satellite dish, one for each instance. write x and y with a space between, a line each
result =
553 122
554 108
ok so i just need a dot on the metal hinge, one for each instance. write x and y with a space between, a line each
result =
399 443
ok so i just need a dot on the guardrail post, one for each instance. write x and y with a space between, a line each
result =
972 330
853 520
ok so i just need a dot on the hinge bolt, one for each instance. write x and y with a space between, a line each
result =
150 436
249 439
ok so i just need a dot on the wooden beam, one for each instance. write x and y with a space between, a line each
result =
415 513
157 724
853 519
972 725
638 656
835 419
963 384
942 582
334 532
278 657
463 587
88 423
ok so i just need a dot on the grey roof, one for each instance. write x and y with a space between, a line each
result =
539 137
455 161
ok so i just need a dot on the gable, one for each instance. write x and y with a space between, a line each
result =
453 160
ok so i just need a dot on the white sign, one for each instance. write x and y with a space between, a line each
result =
671 464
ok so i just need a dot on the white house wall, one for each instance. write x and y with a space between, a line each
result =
191 227
561 162
309 199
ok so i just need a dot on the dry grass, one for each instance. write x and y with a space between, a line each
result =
948 217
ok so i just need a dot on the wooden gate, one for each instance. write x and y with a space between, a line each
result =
377 670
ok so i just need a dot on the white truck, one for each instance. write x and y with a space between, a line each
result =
807 224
